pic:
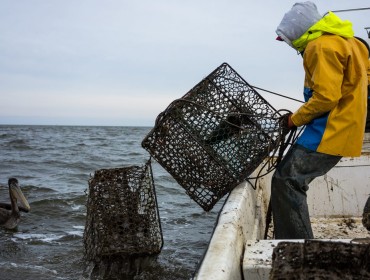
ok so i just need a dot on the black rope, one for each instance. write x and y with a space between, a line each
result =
285 140
148 165
268 219
277 146
278 94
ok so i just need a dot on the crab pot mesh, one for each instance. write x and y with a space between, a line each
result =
317 259
215 136
122 214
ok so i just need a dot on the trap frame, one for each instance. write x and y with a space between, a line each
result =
318 259
215 136
122 214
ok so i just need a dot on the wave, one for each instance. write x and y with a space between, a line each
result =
53 165
11 270
19 144
39 238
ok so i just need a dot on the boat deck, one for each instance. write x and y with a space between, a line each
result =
238 250
335 228
257 260
338 228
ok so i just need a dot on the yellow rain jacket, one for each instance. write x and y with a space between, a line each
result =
335 88
368 73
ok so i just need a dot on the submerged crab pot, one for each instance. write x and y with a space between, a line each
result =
122 214
215 136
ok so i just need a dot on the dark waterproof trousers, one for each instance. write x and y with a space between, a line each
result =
366 215
288 191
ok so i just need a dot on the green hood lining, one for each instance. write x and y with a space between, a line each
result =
331 23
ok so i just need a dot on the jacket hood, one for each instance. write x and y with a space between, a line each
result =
330 23
297 21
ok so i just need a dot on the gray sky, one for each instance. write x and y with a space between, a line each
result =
118 62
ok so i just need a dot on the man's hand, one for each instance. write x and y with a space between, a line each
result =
290 122
286 122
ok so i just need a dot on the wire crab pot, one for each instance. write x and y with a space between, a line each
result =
122 214
215 136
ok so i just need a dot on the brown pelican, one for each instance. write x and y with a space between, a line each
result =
10 214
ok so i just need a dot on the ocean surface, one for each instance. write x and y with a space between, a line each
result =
53 165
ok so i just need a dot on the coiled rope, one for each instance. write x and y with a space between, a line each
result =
285 138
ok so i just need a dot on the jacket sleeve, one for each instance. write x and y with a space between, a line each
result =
324 75
368 73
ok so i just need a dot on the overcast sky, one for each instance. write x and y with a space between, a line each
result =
119 62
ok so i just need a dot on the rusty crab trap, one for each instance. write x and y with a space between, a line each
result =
215 136
122 214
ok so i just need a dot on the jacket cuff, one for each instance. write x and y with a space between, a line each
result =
295 119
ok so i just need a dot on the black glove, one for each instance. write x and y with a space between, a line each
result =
284 123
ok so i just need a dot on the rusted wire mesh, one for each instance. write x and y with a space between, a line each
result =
215 136
122 213
315 259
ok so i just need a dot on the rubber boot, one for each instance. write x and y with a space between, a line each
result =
366 215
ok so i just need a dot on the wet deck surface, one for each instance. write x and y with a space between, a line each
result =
257 259
335 228
339 228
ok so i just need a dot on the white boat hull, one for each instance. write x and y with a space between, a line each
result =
236 242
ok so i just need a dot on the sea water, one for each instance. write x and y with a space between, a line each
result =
53 165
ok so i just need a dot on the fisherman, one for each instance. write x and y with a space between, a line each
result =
366 212
367 127
334 112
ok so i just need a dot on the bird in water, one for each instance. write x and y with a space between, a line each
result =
10 213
